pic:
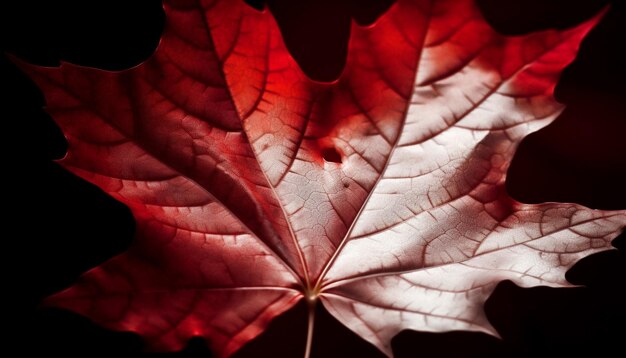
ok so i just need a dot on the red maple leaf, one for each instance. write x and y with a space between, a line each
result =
379 195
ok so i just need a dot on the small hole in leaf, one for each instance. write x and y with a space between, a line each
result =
257 4
331 155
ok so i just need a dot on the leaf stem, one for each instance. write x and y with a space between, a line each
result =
311 301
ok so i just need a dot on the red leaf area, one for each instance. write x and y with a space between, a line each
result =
379 195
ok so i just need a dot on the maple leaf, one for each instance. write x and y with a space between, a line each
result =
380 195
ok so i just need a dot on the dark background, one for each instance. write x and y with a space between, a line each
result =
65 226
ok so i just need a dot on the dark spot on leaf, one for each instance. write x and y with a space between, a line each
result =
331 155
